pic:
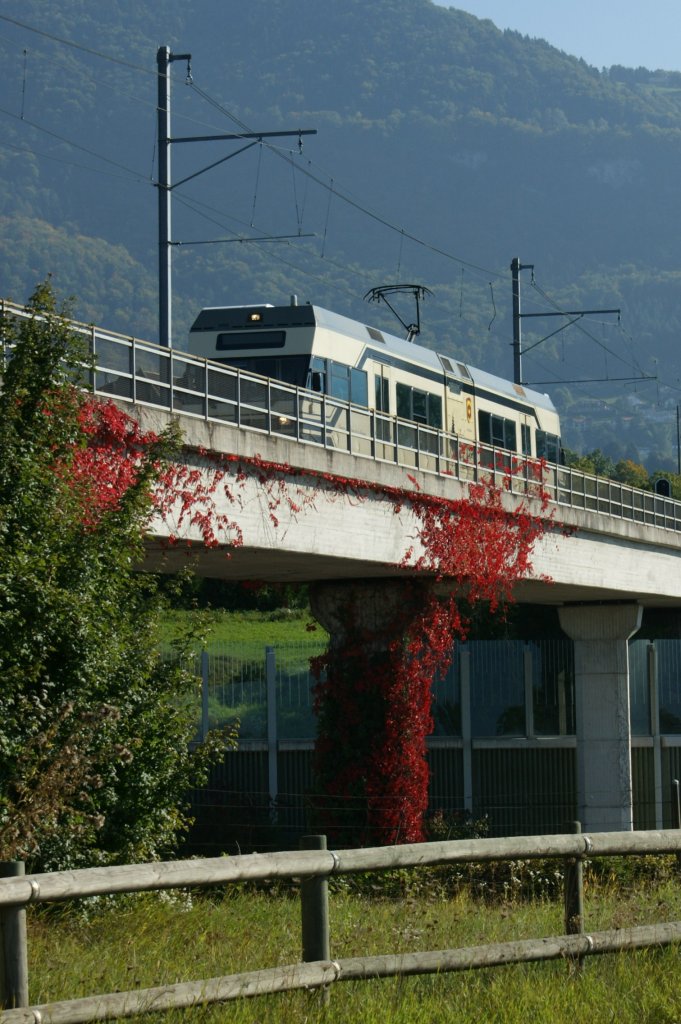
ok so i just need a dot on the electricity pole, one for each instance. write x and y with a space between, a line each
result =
164 58
516 267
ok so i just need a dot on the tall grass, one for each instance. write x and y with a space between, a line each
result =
147 941
249 628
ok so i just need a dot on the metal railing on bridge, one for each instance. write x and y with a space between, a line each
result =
140 372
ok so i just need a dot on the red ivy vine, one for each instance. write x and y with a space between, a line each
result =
373 700
373 696
104 469
112 455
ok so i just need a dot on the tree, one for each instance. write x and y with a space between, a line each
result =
595 462
633 473
95 730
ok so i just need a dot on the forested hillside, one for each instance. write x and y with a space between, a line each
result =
444 148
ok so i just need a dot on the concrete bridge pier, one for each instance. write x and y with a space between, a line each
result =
372 612
374 719
604 783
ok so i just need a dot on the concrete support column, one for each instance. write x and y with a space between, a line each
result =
374 709
363 609
604 786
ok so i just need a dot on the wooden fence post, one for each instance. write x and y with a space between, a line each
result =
13 951
574 894
314 912
676 813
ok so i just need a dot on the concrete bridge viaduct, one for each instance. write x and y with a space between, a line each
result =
603 573
622 555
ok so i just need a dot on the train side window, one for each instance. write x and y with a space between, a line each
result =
382 397
381 386
434 411
496 430
403 394
548 446
316 377
359 387
345 382
510 440
339 380
526 439
420 406
485 427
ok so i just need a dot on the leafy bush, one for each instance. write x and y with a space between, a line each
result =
95 731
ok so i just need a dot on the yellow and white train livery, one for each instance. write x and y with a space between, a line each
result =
329 354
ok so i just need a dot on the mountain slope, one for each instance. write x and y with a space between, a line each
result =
444 148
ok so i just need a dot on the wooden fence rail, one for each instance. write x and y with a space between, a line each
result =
315 865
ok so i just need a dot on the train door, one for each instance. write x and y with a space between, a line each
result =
459 422
382 408
525 435
459 410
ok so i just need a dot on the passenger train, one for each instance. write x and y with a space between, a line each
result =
329 354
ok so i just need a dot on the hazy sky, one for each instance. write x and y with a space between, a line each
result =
603 32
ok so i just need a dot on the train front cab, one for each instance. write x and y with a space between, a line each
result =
270 348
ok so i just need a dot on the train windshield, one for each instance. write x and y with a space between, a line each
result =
250 340
290 369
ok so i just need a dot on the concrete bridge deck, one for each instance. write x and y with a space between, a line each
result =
624 543
603 558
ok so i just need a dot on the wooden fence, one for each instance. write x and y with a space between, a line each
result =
313 866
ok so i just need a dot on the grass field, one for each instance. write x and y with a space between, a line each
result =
250 629
149 941
236 644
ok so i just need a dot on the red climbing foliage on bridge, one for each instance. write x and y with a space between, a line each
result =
373 702
373 696
112 455
478 542
110 462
